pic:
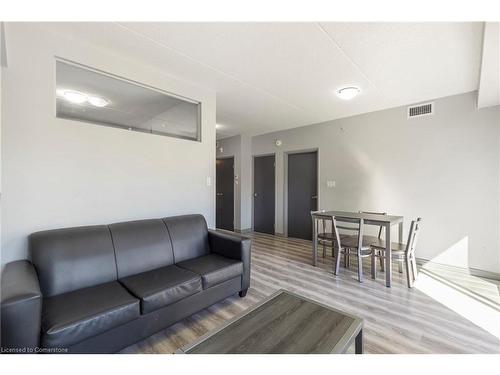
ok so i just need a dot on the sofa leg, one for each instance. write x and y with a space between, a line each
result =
243 293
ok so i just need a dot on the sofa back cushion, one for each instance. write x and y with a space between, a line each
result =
189 234
141 246
72 258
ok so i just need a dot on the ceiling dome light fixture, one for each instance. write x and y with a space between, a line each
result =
76 97
348 93
97 101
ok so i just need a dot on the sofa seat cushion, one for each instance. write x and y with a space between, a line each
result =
213 269
162 287
75 316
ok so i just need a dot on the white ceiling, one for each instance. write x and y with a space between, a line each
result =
273 76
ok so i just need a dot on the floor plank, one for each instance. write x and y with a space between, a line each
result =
397 319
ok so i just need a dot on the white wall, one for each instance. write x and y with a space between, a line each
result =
239 147
60 173
2 64
246 183
444 168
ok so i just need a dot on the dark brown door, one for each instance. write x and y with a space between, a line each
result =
224 186
302 193
263 194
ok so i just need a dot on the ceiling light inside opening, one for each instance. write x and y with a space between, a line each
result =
76 97
97 101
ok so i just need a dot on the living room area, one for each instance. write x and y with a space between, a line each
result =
242 185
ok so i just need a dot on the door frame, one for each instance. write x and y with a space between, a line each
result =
285 182
234 190
275 185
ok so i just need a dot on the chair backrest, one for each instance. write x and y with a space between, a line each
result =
318 218
413 236
359 224
354 228
381 228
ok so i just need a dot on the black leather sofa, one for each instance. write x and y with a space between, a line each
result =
102 288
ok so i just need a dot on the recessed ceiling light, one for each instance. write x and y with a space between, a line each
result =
76 97
348 93
98 101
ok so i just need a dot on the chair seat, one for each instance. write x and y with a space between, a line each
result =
396 247
162 287
213 269
351 241
75 316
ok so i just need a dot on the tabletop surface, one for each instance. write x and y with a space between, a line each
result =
366 216
283 323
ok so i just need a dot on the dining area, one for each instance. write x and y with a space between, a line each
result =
366 236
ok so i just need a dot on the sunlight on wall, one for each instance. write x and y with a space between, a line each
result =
478 313
456 255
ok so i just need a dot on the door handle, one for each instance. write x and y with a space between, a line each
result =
314 197
255 195
219 194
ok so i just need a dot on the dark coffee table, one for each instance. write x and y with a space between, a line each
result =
285 322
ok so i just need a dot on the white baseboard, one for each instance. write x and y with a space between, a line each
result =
472 271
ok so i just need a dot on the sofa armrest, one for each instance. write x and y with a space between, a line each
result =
21 307
233 246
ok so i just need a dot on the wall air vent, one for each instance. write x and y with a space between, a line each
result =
420 110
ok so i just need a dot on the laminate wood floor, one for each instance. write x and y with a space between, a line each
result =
397 319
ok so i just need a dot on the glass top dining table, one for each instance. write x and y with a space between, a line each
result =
386 221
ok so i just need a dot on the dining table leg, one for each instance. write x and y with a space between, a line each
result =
315 242
388 256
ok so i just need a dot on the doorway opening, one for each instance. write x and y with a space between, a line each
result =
264 193
224 197
302 193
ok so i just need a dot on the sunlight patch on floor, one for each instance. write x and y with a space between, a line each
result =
478 313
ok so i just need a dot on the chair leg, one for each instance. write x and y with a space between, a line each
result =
414 267
409 276
374 265
400 267
382 261
360 267
324 250
346 258
337 260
